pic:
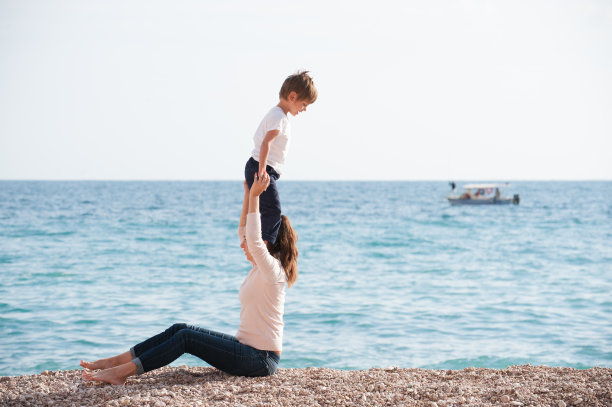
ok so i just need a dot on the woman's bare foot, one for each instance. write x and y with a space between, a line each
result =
115 375
108 362
98 364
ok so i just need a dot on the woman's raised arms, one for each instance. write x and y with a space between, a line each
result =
258 249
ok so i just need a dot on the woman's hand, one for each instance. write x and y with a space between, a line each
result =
246 187
260 184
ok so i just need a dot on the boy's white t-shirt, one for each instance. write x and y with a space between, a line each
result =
276 119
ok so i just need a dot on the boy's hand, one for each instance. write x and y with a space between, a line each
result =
260 184
262 170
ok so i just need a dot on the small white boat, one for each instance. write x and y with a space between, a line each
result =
483 194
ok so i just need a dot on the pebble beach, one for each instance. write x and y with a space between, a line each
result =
203 386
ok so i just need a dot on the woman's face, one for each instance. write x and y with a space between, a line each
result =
245 249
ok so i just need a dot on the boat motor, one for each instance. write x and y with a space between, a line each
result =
516 199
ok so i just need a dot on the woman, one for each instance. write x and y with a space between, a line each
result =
256 348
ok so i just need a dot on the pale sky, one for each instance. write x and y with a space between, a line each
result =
408 90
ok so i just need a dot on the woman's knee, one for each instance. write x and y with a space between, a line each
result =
180 337
177 327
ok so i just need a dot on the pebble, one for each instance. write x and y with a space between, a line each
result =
205 386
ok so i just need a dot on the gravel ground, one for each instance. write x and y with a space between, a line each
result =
200 386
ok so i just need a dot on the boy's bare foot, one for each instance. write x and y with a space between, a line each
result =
115 375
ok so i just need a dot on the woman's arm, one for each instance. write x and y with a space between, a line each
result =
260 184
243 214
245 204
257 247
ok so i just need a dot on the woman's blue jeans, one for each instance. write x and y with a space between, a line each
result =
219 350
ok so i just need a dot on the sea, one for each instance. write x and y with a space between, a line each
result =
389 273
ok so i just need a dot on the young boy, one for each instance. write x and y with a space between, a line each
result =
271 143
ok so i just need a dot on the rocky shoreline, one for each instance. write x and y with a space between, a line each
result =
202 386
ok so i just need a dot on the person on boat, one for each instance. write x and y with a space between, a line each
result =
257 346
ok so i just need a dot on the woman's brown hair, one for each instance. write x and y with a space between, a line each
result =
285 248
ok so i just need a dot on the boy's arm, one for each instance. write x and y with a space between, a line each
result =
265 150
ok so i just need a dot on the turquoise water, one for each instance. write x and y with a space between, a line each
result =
390 273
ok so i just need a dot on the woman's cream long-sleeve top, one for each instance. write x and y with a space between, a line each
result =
262 294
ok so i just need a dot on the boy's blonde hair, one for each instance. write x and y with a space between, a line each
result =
301 83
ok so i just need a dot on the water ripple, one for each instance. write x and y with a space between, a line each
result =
389 275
